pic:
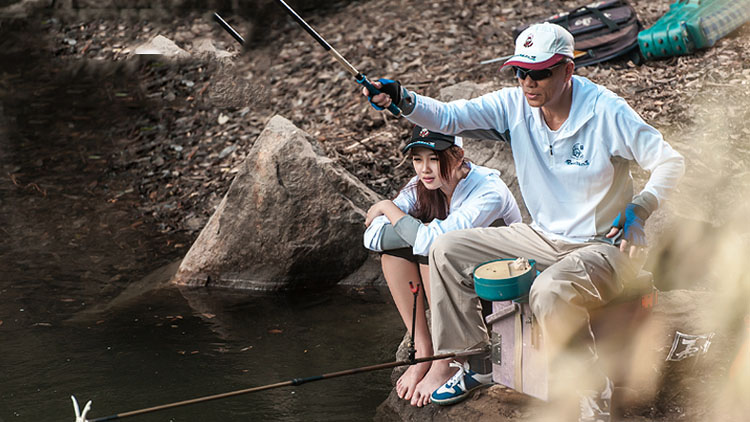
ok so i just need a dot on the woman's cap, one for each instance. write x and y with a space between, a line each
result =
421 137
541 46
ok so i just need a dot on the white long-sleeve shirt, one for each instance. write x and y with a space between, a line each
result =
576 181
478 200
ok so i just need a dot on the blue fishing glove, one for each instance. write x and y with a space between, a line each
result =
631 222
390 88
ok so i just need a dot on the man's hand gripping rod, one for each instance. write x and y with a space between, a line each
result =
358 76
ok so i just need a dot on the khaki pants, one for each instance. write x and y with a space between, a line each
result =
576 278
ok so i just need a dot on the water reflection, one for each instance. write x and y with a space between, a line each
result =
171 345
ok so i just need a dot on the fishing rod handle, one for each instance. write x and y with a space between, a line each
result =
362 80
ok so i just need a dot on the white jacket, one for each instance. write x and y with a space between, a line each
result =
478 200
575 186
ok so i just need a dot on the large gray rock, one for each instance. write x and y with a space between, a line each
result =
291 219
370 274
492 154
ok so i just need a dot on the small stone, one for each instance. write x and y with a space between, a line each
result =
226 151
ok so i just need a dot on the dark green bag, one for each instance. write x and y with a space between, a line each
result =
692 24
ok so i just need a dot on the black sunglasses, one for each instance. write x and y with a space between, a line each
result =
536 75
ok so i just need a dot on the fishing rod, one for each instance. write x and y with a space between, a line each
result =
359 77
229 29
292 382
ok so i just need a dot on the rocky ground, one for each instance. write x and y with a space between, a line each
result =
198 116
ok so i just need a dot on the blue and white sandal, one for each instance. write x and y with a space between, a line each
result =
460 385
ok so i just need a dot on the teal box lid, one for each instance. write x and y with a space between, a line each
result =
495 280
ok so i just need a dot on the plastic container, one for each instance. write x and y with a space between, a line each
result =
495 281
692 24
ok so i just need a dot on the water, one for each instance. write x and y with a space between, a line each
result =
171 345
75 317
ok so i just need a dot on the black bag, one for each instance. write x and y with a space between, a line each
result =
602 31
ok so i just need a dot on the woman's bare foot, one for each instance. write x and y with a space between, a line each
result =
407 383
439 373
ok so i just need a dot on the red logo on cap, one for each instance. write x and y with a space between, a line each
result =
529 42
423 133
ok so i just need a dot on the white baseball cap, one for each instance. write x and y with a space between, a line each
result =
541 46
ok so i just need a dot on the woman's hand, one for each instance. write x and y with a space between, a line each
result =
375 211
385 207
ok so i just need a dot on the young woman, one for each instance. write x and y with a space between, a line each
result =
448 193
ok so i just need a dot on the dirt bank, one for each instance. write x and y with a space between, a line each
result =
196 119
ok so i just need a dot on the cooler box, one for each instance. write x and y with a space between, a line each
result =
517 346
692 24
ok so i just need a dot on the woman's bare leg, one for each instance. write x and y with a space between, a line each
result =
398 272
440 370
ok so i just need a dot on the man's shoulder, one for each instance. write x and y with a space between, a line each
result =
591 89
604 100
488 181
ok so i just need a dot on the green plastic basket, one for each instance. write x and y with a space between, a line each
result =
692 24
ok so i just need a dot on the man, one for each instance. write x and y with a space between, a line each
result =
572 142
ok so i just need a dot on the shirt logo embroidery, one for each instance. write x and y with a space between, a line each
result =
423 133
577 158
